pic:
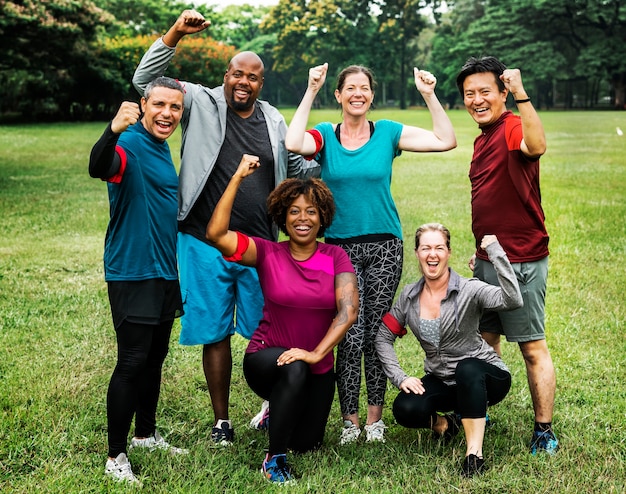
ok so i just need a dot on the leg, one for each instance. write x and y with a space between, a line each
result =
217 363
478 384
149 383
284 387
420 411
318 398
494 340
381 279
133 345
541 378
208 287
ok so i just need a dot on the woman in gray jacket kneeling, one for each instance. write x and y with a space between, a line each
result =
463 373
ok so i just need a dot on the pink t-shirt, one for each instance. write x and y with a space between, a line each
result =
299 297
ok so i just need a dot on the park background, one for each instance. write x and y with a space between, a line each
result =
57 346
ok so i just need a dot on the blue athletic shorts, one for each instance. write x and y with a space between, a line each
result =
526 323
219 297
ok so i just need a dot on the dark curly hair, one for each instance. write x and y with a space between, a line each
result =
286 192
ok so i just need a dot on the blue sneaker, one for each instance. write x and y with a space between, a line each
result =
544 441
275 469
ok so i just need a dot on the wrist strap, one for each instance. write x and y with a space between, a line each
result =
518 101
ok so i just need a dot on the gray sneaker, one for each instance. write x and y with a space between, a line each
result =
349 433
119 469
375 432
157 442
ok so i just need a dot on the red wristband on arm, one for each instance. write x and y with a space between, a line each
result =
242 246
393 325
317 136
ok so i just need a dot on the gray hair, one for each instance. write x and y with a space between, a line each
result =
163 81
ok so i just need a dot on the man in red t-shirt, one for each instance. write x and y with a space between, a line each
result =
506 201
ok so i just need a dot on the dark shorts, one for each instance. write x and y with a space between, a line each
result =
528 322
145 302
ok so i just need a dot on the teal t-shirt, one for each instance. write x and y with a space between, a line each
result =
360 181
140 242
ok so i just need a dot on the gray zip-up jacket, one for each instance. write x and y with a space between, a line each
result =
204 127
460 314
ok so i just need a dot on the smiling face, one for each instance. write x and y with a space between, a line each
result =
356 94
303 221
483 99
243 82
433 254
162 111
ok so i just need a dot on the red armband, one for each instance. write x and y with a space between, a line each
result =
242 246
317 137
393 325
117 178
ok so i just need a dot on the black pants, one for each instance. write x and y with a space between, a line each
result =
136 381
299 400
478 383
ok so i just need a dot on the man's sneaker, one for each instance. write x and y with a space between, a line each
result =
275 469
261 421
544 441
157 442
375 432
119 470
350 433
472 465
222 434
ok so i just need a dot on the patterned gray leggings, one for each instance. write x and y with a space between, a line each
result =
378 267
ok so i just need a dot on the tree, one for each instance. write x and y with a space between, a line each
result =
43 44
149 17
400 23
311 32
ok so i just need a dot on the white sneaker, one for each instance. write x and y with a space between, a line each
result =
261 420
119 469
157 442
375 432
350 433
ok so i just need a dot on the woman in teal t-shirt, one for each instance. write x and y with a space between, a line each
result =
356 159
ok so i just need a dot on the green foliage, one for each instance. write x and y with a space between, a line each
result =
553 42
147 17
46 46
237 25
57 346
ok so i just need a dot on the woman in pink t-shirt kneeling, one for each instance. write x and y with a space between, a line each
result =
311 299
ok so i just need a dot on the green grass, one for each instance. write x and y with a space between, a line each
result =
57 347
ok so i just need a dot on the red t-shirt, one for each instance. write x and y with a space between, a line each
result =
506 199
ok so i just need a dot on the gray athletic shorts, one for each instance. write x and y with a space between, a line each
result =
526 323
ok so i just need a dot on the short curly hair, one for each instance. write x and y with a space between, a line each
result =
286 192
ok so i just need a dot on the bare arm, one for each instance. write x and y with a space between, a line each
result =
534 142
217 232
297 139
347 297
442 137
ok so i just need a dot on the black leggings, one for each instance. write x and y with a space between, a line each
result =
299 400
478 383
136 381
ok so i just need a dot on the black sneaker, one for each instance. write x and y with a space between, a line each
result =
223 435
472 465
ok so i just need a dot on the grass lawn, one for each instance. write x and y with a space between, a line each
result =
57 345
